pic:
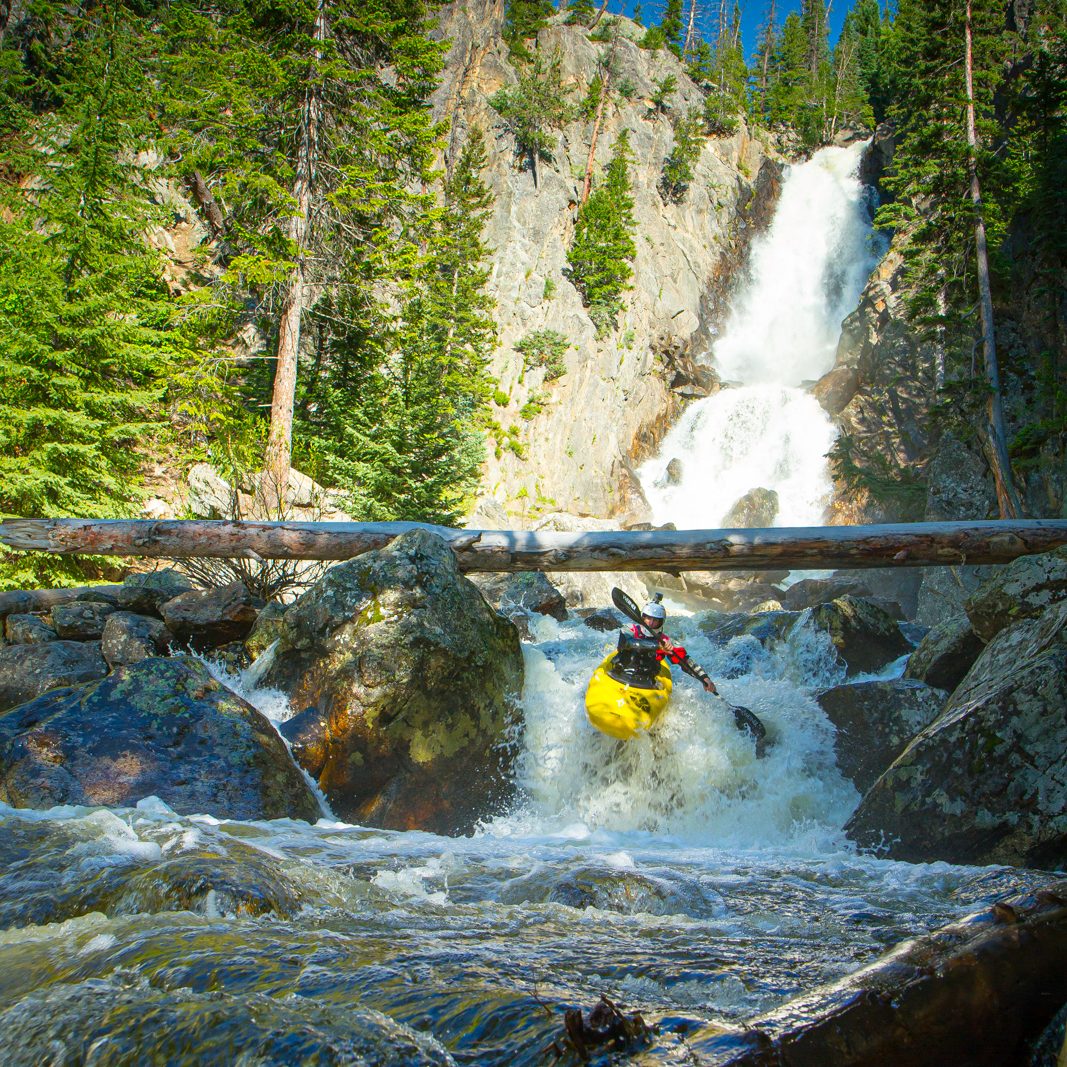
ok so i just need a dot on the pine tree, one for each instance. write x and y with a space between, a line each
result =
679 164
601 256
522 21
85 343
671 26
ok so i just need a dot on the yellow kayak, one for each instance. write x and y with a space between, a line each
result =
622 710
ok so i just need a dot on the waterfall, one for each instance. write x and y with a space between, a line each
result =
806 274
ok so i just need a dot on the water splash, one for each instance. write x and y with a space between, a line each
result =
806 274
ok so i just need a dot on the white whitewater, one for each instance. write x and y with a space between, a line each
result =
765 431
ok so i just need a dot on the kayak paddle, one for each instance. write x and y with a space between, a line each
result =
745 719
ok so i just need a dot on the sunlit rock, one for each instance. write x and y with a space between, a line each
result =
875 721
205 618
81 621
521 594
147 593
161 727
406 682
755 510
986 782
24 629
1025 587
129 638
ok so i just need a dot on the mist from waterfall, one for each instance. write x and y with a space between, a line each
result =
764 430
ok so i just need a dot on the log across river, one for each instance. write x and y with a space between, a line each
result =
920 544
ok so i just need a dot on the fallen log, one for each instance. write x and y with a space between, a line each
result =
920 544
976 993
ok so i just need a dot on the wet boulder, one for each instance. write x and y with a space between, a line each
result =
1025 587
28 630
865 635
603 620
407 683
206 618
874 721
810 592
81 621
945 654
755 510
145 594
521 594
27 671
985 782
161 727
266 629
130 638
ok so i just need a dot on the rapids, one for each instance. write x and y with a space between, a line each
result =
678 875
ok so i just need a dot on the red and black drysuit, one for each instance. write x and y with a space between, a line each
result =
639 655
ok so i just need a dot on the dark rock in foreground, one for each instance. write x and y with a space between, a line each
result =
27 671
945 654
875 721
986 782
161 727
409 681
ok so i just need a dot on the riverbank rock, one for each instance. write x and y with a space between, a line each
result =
945 654
130 638
28 630
145 594
865 635
986 782
27 671
810 592
874 722
1025 587
409 683
755 510
161 727
206 618
81 621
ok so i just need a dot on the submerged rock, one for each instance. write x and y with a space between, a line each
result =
986 782
27 671
865 635
409 682
945 654
161 727
874 721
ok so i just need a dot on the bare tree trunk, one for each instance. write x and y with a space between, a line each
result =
691 29
605 85
276 463
599 15
767 48
1007 500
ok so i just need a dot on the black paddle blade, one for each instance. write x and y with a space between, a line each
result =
747 720
626 604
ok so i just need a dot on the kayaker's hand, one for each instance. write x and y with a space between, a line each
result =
666 643
709 685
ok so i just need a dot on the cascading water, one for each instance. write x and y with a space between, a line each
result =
765 431
676 874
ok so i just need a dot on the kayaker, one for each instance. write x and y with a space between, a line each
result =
642 648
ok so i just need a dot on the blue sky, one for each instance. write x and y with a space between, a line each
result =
753 13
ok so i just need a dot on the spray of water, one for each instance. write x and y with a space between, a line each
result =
806 274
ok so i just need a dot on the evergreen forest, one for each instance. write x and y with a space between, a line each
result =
327 305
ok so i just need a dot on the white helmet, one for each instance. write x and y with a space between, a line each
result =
655 610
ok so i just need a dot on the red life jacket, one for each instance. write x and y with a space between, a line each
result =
676 655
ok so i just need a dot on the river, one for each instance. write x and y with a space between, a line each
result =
677 874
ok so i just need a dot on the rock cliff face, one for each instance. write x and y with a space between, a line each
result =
615 400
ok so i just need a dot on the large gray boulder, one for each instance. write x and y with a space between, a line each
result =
161 727
81 621
986 782
1026 586
27 671
755 510
945 654
521 594
408 682
866 636
874 721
